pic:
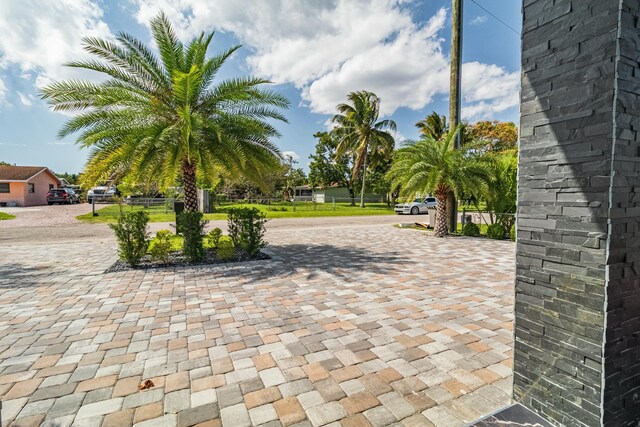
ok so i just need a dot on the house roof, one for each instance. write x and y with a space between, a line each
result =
22 173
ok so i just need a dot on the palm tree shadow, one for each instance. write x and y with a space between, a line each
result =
16 275
340 261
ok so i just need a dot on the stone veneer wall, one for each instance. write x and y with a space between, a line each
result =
578 242
622 348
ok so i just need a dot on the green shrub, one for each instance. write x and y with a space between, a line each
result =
495 231
246 229
214 237
160 246
225 249
470 229
512 233
132 236
191 226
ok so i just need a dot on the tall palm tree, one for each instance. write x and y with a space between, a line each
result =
434 166
434 126
361 134
164 118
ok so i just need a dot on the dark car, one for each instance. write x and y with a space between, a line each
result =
62 195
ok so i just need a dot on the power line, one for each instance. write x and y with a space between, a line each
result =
495 17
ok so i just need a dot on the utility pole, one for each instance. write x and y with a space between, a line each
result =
454 93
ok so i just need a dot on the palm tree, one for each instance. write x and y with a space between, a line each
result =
434 126
163 118
500 197
434 166
361 134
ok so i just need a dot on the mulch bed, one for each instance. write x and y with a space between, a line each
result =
176 259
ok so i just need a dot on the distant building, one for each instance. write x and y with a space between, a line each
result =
26 185
331 194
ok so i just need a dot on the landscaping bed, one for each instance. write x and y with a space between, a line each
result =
178 259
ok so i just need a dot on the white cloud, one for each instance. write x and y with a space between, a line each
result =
25 99
3 91
398 137
479 20
330 48
488 89
38 36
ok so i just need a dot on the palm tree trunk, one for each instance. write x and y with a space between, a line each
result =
189 183
364 177
352 194
441 215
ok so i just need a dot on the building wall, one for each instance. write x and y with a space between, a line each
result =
568 49
622 348
342 195
16 194
19 191
577 311
41 183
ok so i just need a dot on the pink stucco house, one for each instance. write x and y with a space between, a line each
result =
26 185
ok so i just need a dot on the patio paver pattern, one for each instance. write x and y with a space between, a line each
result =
359 326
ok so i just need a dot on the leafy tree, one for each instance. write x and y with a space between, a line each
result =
72 178
297 177
327 167
433 126
434 166
500 195
378 181
165 118
494 135
2 163
292 177
361 134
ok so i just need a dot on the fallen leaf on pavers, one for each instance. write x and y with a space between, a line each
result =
145 385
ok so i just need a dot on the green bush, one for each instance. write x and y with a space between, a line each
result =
495 231
191 226
214 237
225 249
160 246
470 229
132 236
512 233
246 229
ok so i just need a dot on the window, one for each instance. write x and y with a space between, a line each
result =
4 187
50 186
32 188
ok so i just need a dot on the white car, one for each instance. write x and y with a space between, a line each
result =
418 206
102 193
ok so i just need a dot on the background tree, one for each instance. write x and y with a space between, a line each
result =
361 134
434 166
72 178
500 195
164 118
328 168
433 126
291 178
378 181
494 135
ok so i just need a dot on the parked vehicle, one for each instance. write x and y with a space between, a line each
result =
62 195
102 193
418 206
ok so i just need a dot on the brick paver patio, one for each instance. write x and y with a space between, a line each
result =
368 325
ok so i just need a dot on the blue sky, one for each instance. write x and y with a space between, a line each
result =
315 52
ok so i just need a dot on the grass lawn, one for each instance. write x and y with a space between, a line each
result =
5 216
274 210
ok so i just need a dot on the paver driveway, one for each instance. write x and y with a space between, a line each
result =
355 326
